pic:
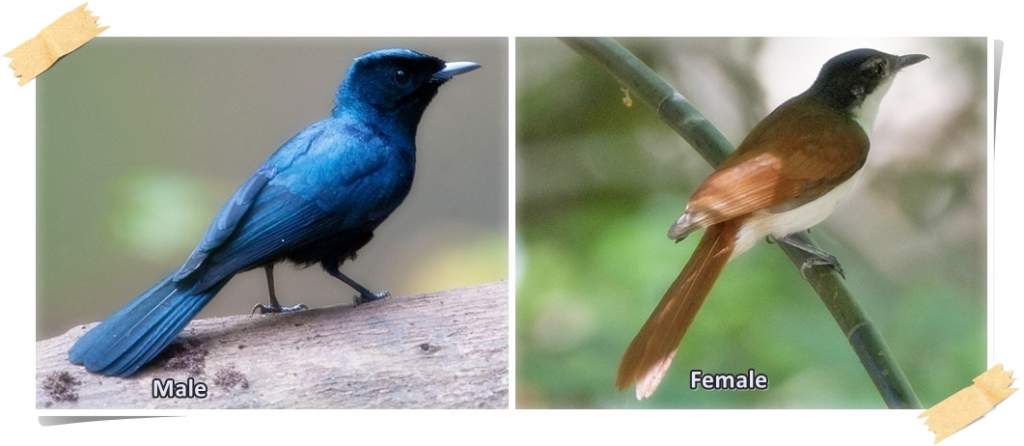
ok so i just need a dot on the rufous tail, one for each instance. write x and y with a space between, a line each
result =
650 354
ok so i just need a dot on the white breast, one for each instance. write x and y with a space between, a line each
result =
762 223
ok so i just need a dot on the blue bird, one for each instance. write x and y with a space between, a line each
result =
317 199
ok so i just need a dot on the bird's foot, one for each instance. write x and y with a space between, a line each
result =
264 309
371 296
815 256
823 260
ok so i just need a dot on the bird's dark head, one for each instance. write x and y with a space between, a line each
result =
397 83
856 81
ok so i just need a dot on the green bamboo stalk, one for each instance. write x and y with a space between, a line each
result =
692 126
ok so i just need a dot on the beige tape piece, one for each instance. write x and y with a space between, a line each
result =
63 36
969 404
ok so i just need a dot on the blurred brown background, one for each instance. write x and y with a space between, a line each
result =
141 140
598 184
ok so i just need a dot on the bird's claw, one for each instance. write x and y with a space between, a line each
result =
830 261
365 298
264 309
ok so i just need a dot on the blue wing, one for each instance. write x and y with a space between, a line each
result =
224 225
319 183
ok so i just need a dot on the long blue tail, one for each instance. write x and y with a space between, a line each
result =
135 334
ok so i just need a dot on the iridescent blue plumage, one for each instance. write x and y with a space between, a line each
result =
317 199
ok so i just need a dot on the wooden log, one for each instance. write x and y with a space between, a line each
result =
440 350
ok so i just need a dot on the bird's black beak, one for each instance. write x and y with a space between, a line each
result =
452 69
908 60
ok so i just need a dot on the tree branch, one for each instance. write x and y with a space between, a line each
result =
441 350
689 123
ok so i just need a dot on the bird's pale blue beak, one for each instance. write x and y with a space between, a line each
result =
452 69
908 60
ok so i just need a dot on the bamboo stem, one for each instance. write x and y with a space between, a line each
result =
692 126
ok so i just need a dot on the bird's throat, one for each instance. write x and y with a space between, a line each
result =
866 112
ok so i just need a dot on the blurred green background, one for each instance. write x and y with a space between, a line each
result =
598 184
141 140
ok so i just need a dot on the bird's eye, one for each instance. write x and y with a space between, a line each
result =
401 77
874 69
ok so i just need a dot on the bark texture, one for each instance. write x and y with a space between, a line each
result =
440 350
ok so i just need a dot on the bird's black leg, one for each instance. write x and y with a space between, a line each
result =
817 256
365 295
274 306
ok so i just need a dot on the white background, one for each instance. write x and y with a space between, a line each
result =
22 20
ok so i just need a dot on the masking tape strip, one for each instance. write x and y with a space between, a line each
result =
969 404
61 37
